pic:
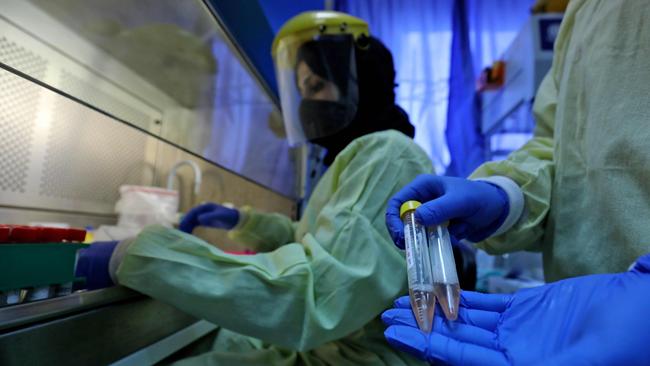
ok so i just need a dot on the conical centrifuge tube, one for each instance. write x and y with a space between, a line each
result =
445 278
418 264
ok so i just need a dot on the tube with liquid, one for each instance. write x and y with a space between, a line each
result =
445 277
418 264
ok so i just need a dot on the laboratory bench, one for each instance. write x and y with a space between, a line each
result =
108 326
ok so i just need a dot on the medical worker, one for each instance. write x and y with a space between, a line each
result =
578 192
314 293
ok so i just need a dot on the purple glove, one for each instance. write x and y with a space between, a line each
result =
92 264
590 320
210 215
475 209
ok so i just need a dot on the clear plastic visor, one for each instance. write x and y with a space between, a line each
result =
317 82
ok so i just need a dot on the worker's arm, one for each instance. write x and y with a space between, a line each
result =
263 232
259 231
330 283
504 205
531 168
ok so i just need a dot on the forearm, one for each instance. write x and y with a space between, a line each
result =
301 288
262 231
532 169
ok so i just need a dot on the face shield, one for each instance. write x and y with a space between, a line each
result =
317 81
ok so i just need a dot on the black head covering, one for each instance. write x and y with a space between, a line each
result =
376 109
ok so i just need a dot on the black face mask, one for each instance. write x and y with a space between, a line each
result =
321 118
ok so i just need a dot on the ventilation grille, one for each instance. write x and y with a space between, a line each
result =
104 101
21 59
89 155
17 121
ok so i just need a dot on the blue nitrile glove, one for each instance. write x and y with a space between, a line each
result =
475 209
598 319
211 215
92 263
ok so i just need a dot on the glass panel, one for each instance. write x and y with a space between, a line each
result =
163 66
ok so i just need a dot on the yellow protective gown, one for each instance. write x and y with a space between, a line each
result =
585 175
315 297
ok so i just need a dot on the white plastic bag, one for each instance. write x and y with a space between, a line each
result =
140 206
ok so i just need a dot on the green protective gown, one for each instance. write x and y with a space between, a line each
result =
315 295
585 175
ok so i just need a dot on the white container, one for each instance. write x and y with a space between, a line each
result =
140 206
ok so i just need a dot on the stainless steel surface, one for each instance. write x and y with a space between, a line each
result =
19 315
113 154
17 120
63 155
98 336
18 57
107 85
165 347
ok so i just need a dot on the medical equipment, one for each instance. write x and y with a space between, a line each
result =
37 263
445 278
420 279
507 121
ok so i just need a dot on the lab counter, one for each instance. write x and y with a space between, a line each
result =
113 325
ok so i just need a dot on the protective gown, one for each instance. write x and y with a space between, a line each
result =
585 175
314 296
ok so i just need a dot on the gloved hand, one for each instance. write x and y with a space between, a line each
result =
211 215
597 319
475 209
92 263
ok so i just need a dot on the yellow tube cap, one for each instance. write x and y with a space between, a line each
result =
408 206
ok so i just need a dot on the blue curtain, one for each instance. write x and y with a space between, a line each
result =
419 33
466 145
483 30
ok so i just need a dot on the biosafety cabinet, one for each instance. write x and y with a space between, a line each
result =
98 94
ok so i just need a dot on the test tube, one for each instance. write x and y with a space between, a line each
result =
418 264
445 278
